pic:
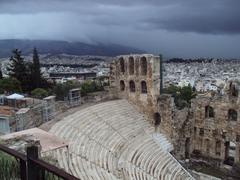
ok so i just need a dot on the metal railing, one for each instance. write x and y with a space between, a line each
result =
28 167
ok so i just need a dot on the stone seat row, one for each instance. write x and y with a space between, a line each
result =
112 140
154 161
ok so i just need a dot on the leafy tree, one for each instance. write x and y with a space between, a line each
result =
182 95
10 85
35 70
102 80
186 93
61 90
19 70
91 86
39 93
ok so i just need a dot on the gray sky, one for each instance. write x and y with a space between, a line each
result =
176 28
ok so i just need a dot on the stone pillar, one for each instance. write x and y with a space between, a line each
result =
222 150
237 156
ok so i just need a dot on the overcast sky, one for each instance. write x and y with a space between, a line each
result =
176 28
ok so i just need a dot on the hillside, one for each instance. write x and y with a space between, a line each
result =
63 47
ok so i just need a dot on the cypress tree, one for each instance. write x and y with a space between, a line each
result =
36 71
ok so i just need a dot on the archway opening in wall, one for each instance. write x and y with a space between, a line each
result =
230 152
122 65
143 65
232 115
131 65
208 146
233 89
209 112
132 86
187 148
122 85
218 148
157 119
144 87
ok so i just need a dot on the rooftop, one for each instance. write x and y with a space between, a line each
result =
47 140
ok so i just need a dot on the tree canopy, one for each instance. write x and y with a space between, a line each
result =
18 69
35 70
27 73
182 95
10 85
39 93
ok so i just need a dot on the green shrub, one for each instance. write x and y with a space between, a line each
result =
39 93
182 95
91 86
10 85
9 167
61 90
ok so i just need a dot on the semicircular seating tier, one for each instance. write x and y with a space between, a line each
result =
112 140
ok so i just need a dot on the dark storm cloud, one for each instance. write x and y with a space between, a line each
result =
214 16
147 24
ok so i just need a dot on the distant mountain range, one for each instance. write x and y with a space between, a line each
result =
63 47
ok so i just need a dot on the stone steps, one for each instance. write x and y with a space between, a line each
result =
112 140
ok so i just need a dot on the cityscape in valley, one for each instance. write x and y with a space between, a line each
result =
203 74
121 95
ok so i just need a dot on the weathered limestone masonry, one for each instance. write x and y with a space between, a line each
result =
210 129
216 127
137 78
176 124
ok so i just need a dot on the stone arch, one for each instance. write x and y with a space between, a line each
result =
230 151
122 65
132 86
143 65
233 89
208 145
232 115
157 119
144 87
209 112
218 147
131 65
122 85
187 148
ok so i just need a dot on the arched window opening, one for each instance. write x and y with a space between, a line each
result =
232 115
209 112
218 148
131 65
122 65
122 85
187 148
143 65
233 90
144 87
157 119
230 151
208 146
132 86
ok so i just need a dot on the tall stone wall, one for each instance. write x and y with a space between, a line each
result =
137 78
205 130
216 124
175 124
